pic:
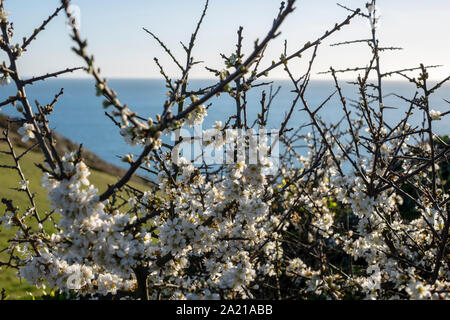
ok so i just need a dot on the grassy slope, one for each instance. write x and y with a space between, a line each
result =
15 288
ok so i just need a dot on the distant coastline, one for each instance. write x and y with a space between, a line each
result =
79 115
64 145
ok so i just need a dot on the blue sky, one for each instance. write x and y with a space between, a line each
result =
122 49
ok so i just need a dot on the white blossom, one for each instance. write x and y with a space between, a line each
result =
27 132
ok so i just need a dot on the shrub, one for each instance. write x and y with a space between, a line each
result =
363 215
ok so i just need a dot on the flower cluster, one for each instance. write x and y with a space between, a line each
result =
91 253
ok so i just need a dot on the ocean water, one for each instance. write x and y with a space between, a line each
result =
79 114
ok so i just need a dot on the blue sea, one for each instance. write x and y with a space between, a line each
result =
79 114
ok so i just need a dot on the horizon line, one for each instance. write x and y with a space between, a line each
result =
210 79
